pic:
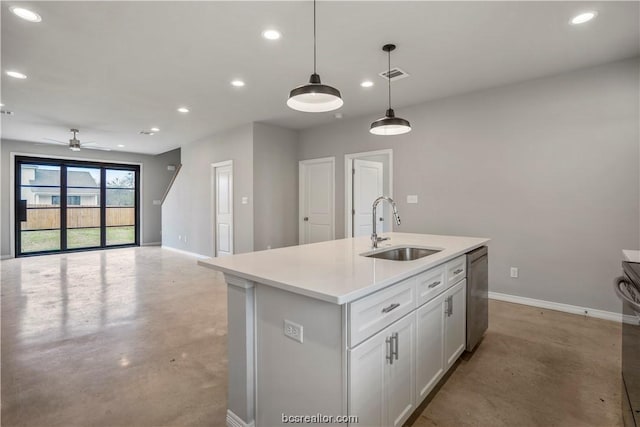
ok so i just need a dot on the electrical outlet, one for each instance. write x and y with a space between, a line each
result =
412 198
293 330
514 272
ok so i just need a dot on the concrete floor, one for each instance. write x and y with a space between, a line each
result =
137 337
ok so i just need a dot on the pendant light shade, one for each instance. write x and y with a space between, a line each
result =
390 124
315 97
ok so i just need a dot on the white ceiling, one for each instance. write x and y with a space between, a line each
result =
114 68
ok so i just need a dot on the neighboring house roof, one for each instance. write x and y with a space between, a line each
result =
74 179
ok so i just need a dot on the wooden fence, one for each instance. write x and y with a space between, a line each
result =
39 219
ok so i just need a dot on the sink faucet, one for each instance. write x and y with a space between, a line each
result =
374 236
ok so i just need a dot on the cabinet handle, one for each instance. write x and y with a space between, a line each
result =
450 306
394 339
458 271
434 284
389 343
391 307
306 218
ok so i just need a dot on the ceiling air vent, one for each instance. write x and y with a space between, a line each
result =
6 113
395 73
147 132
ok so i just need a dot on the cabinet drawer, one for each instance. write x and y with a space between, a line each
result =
456 270
430 283
374 312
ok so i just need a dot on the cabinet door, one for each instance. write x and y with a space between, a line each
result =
401 373
430 323
368 380
455 322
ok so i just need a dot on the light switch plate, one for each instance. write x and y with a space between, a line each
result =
245 200
412 198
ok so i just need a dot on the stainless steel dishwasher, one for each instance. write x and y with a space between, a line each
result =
477 296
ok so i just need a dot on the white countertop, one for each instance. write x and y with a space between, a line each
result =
334 271
631 256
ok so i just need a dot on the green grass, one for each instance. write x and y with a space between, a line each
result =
47 240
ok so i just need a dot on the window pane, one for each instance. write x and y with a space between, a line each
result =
120 197
40 196
83 177
39 175
40 240
83 238
83 196
120 235
120 178
41 219
83 217
121 216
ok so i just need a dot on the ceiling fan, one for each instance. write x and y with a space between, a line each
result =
74 143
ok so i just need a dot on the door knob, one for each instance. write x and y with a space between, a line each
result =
306 218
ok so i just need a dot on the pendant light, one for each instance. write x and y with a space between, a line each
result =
390 124
314 97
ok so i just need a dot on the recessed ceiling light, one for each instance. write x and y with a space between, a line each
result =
183 109
16 75
26 14
237 83
583 17
155 129
1 104
271 34
120 145
366 83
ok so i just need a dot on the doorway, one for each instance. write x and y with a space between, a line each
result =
222 197
317 200
71 205
367 176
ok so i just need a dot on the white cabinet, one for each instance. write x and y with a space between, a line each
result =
382 376
455 323
430 324
396 359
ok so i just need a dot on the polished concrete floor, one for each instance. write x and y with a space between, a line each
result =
137 337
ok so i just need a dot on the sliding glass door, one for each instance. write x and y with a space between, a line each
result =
64 205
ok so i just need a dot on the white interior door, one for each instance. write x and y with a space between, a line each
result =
317 192
368 178
223 189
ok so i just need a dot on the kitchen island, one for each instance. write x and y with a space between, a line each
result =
320 330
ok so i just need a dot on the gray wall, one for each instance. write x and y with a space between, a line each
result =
549 169
155 178
275 186
187 209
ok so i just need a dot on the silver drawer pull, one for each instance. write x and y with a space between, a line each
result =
458 271
391 307
434 284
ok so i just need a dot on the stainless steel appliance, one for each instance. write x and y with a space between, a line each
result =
477 296
628 289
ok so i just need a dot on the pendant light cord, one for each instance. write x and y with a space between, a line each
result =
389 78
314 36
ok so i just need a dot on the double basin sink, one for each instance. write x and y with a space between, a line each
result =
407 253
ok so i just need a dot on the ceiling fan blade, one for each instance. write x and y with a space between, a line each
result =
96 148
54 141
88 142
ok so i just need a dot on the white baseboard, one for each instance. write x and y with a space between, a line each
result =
193 254
235 421
567 308
152 244
8 256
